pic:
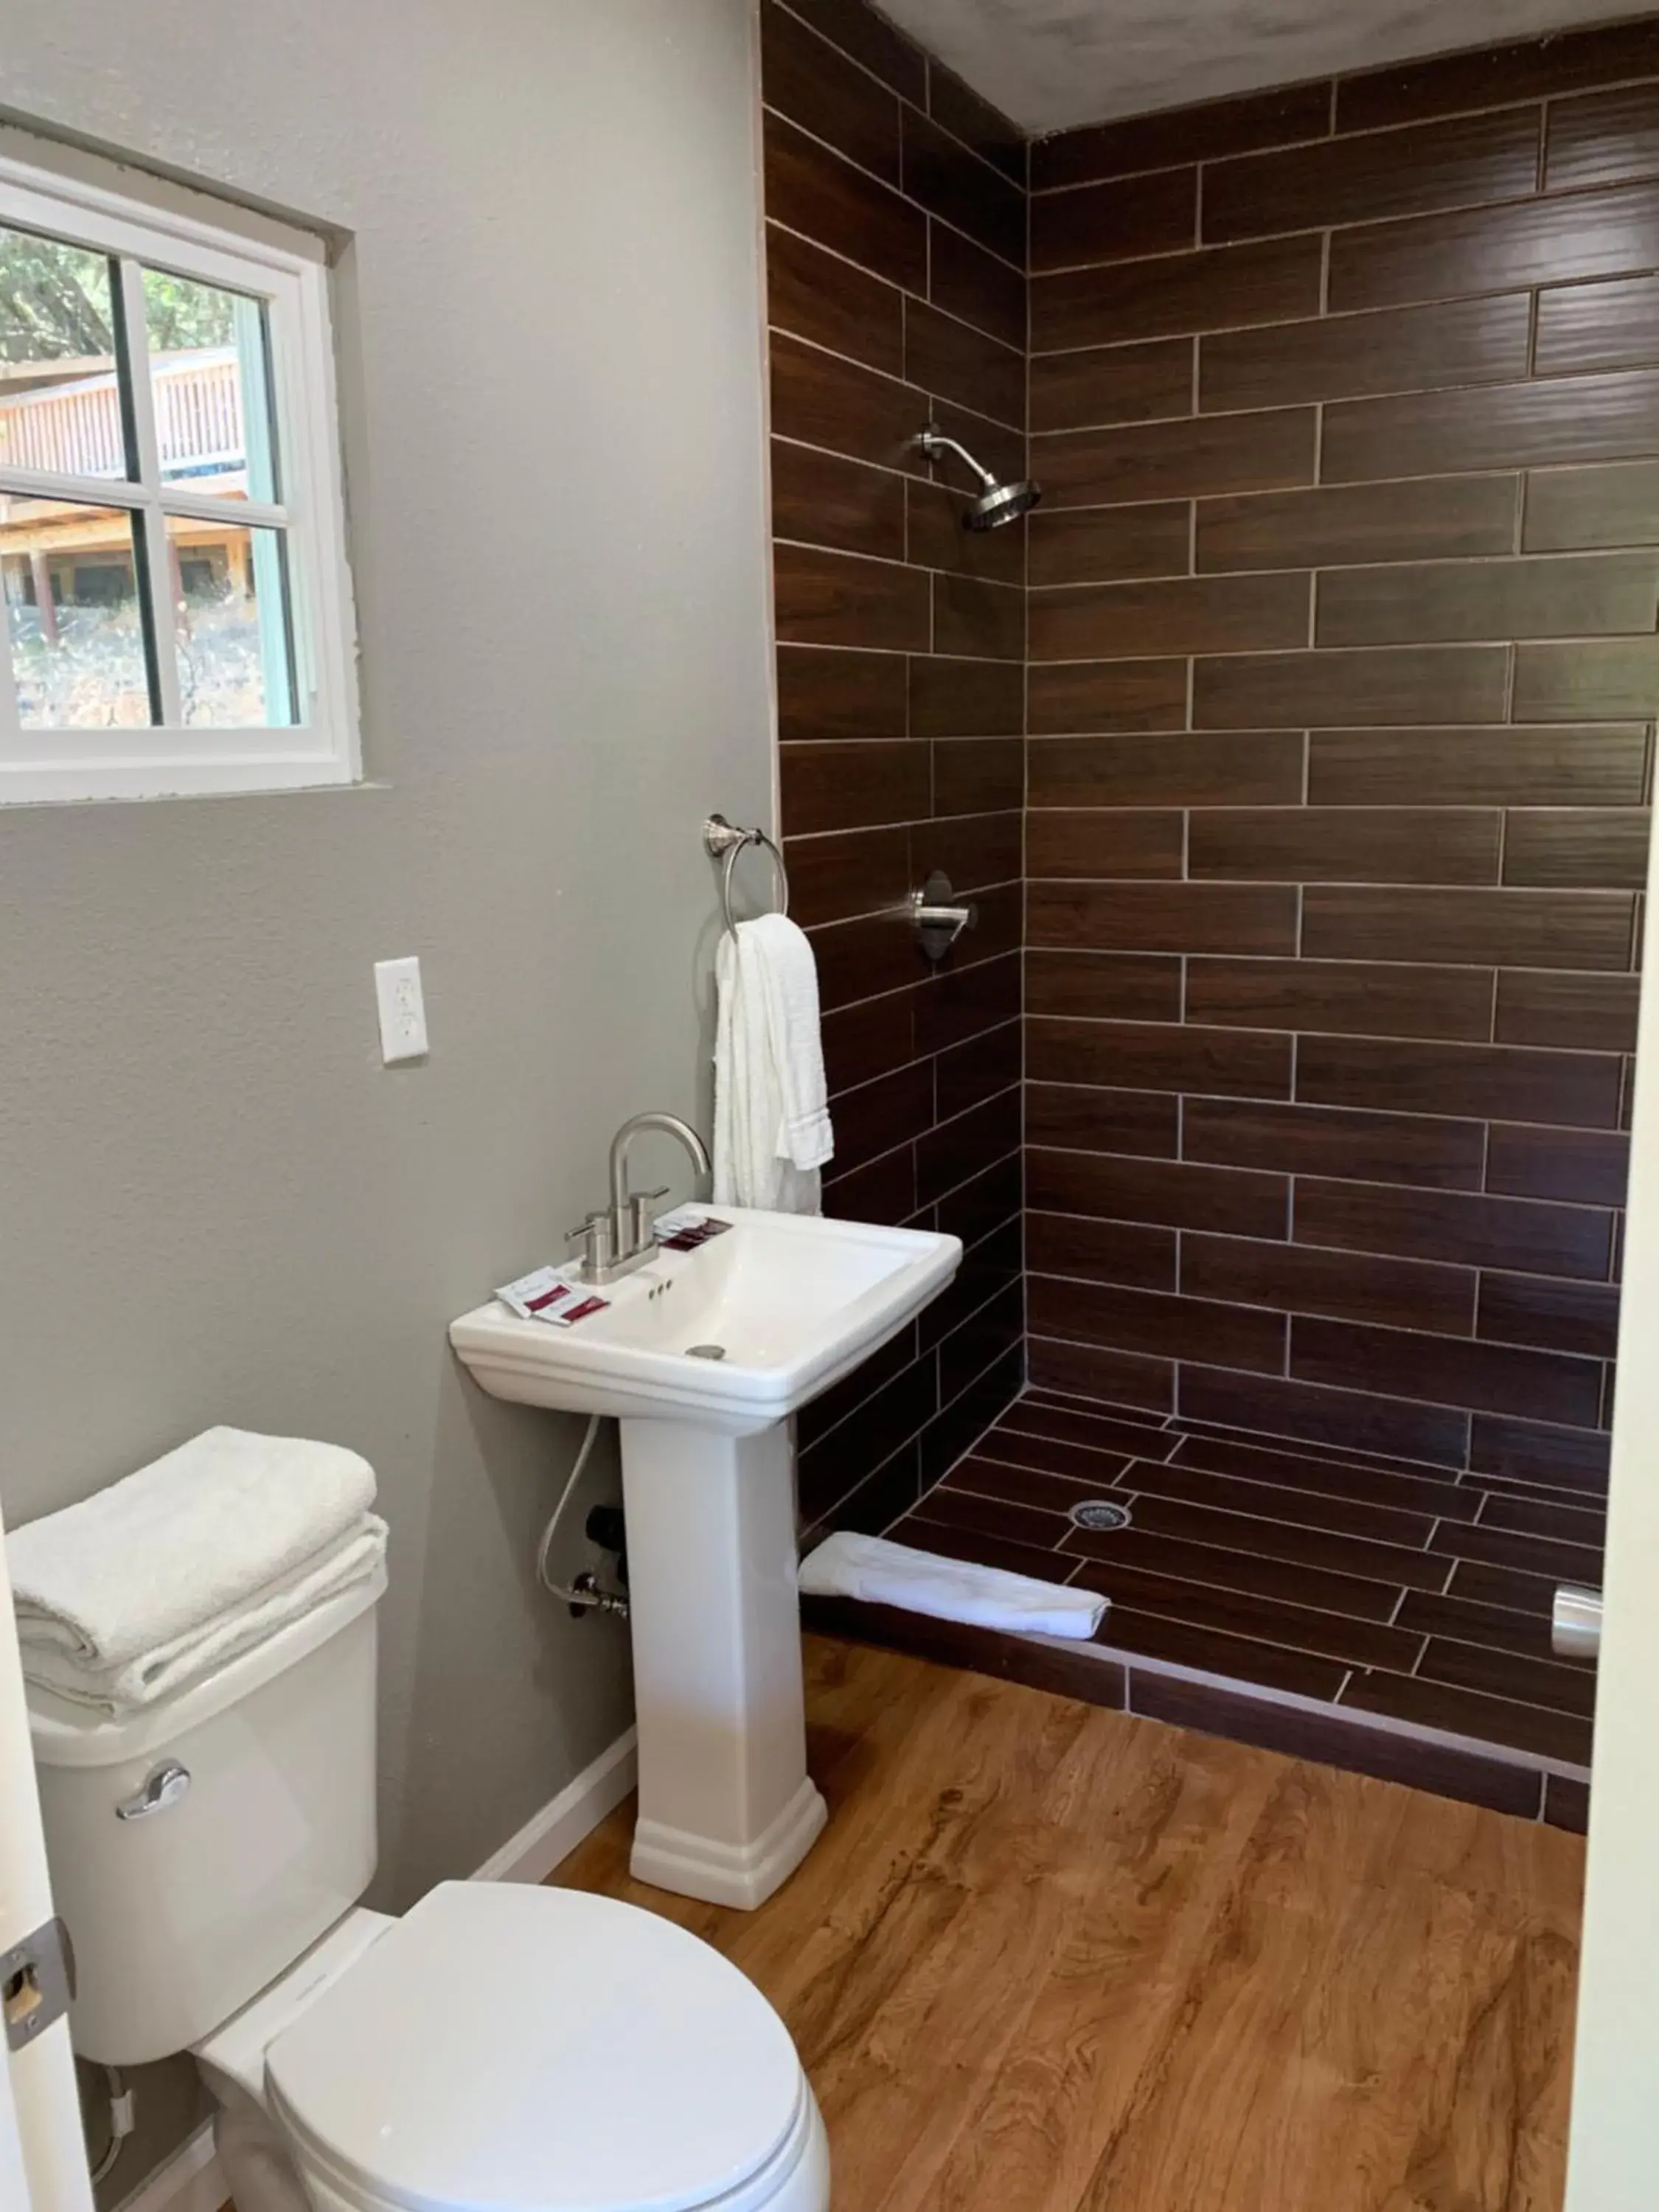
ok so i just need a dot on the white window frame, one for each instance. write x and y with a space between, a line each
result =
323 745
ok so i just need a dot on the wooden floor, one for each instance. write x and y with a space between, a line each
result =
1049 1958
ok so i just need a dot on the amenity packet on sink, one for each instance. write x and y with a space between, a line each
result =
546 1295
687 1227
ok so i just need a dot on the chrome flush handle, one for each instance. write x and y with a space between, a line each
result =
165 1787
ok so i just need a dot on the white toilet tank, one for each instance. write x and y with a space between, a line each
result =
180 1914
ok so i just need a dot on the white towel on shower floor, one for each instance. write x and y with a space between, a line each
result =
199 1533
772 1133
882 1573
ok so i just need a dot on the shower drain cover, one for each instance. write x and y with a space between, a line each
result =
1099 1513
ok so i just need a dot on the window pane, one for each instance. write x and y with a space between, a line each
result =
234 660
59 405
73 617
207 360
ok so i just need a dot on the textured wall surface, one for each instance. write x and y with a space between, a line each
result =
896 247
217 1204
1343 669
1054 63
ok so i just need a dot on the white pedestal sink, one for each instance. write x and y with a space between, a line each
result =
727 1809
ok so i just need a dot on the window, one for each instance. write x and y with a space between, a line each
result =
178 606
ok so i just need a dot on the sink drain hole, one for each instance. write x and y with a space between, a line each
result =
1099 1513
705 1351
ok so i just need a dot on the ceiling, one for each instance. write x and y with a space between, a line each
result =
1051 64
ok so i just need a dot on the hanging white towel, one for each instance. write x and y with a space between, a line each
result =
136 1682
772 1133
199 1533
882 1573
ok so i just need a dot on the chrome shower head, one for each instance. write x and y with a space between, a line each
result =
1003 502
996 503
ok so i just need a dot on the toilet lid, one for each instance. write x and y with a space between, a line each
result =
510 2049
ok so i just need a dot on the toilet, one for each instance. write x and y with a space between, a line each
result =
501 2048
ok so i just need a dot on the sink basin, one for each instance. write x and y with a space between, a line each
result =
727 1808
791 1303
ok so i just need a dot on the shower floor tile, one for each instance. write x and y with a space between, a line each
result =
1293 1588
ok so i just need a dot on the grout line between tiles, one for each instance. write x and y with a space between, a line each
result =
1449 1470
1369 132
1463 1342
900 190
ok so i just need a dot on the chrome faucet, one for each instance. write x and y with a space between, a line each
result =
618 1238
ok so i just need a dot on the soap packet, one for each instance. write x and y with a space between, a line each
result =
546 1294
686 1228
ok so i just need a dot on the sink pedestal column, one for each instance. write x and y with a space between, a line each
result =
727 1808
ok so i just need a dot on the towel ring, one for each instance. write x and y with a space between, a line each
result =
720 837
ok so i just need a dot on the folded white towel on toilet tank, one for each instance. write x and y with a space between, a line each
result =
158 1673
882 1573
772 1132
230 1525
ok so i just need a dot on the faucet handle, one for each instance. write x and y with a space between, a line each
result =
595 1238
640 1203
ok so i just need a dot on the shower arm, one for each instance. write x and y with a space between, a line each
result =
934 443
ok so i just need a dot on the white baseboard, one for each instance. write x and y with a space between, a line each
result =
193 2180
553 1834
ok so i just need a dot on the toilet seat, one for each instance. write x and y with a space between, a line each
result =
509 2049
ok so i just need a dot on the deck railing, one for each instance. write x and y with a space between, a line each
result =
75 429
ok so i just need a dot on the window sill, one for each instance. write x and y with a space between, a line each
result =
41 784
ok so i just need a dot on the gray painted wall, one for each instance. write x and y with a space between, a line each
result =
216 1204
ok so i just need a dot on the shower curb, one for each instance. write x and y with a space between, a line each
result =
1527 1787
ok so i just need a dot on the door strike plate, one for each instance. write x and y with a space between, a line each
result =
37 1981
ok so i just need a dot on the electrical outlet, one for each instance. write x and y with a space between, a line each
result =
402 1010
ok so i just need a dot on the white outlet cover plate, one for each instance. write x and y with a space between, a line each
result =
402 1010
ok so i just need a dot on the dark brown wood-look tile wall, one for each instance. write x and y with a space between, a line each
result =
1299 750
1342 613
895 260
